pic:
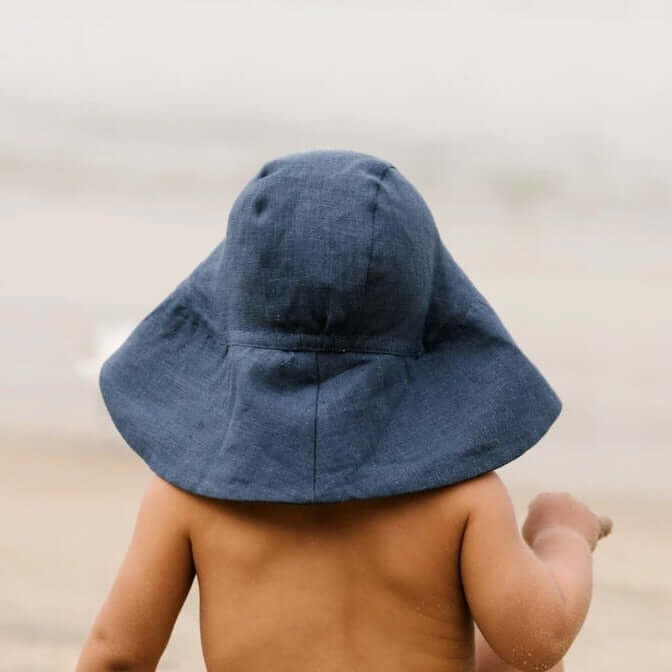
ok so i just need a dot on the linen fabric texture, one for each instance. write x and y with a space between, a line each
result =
329 348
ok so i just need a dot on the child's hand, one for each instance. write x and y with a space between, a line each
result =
549 509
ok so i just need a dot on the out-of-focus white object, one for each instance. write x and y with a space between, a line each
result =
106 339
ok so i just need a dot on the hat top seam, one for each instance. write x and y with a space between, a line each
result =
374 212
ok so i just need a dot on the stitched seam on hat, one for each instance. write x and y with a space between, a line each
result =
373 224
317 396
227 343
411 355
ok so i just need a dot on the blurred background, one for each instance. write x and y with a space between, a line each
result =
540 135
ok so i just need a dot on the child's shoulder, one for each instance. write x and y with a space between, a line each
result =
160 494
483 492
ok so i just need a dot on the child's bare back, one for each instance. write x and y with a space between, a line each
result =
389 584
361 585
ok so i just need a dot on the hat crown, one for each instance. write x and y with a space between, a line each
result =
327 250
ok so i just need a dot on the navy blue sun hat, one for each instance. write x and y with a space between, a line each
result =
329 348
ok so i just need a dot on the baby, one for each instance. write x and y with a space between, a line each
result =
324 402
383 585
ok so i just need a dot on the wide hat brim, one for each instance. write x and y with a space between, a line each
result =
269 424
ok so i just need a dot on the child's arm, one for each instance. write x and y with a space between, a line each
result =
529 601
134 623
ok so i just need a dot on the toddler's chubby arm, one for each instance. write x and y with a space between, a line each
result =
136 619
529 595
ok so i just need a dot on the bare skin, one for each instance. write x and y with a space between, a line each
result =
391 584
